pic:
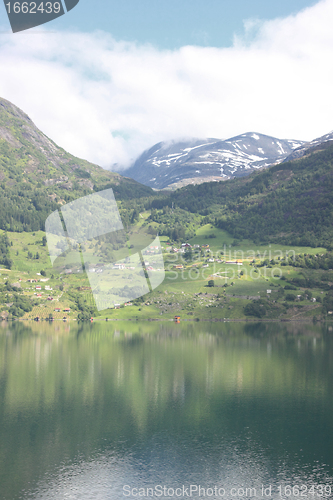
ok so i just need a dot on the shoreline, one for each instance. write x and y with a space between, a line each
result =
216 320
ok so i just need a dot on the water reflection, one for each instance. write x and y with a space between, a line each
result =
87 409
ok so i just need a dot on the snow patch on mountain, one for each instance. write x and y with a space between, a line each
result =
166 163
300 151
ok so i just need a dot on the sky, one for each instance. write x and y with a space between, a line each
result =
108 80
171 24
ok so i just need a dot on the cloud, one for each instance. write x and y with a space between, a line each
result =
107 101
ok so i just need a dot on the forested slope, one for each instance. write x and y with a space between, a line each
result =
290 202
37 176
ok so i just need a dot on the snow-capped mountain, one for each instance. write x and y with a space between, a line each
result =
175 164
305 148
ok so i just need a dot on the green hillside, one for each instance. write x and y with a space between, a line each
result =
290 203
37 176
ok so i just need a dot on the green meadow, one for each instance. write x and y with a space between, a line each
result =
195 290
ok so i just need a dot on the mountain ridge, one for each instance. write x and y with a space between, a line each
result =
37 176
174 164
309 146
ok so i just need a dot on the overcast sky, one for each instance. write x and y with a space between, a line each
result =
106 81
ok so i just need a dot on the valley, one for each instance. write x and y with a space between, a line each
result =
256 247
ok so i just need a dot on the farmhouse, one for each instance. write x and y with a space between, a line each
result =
118 266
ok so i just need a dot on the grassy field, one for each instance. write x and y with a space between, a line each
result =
183 292
246 249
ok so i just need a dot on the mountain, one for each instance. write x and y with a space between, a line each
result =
176 164
307 147
290 203
37 176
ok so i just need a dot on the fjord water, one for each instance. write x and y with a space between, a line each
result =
86 410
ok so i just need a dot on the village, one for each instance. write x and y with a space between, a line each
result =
202 280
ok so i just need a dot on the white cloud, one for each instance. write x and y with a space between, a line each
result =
107 101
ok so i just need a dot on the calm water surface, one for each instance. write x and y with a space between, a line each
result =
114 410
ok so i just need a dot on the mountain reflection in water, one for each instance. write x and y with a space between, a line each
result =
88 409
